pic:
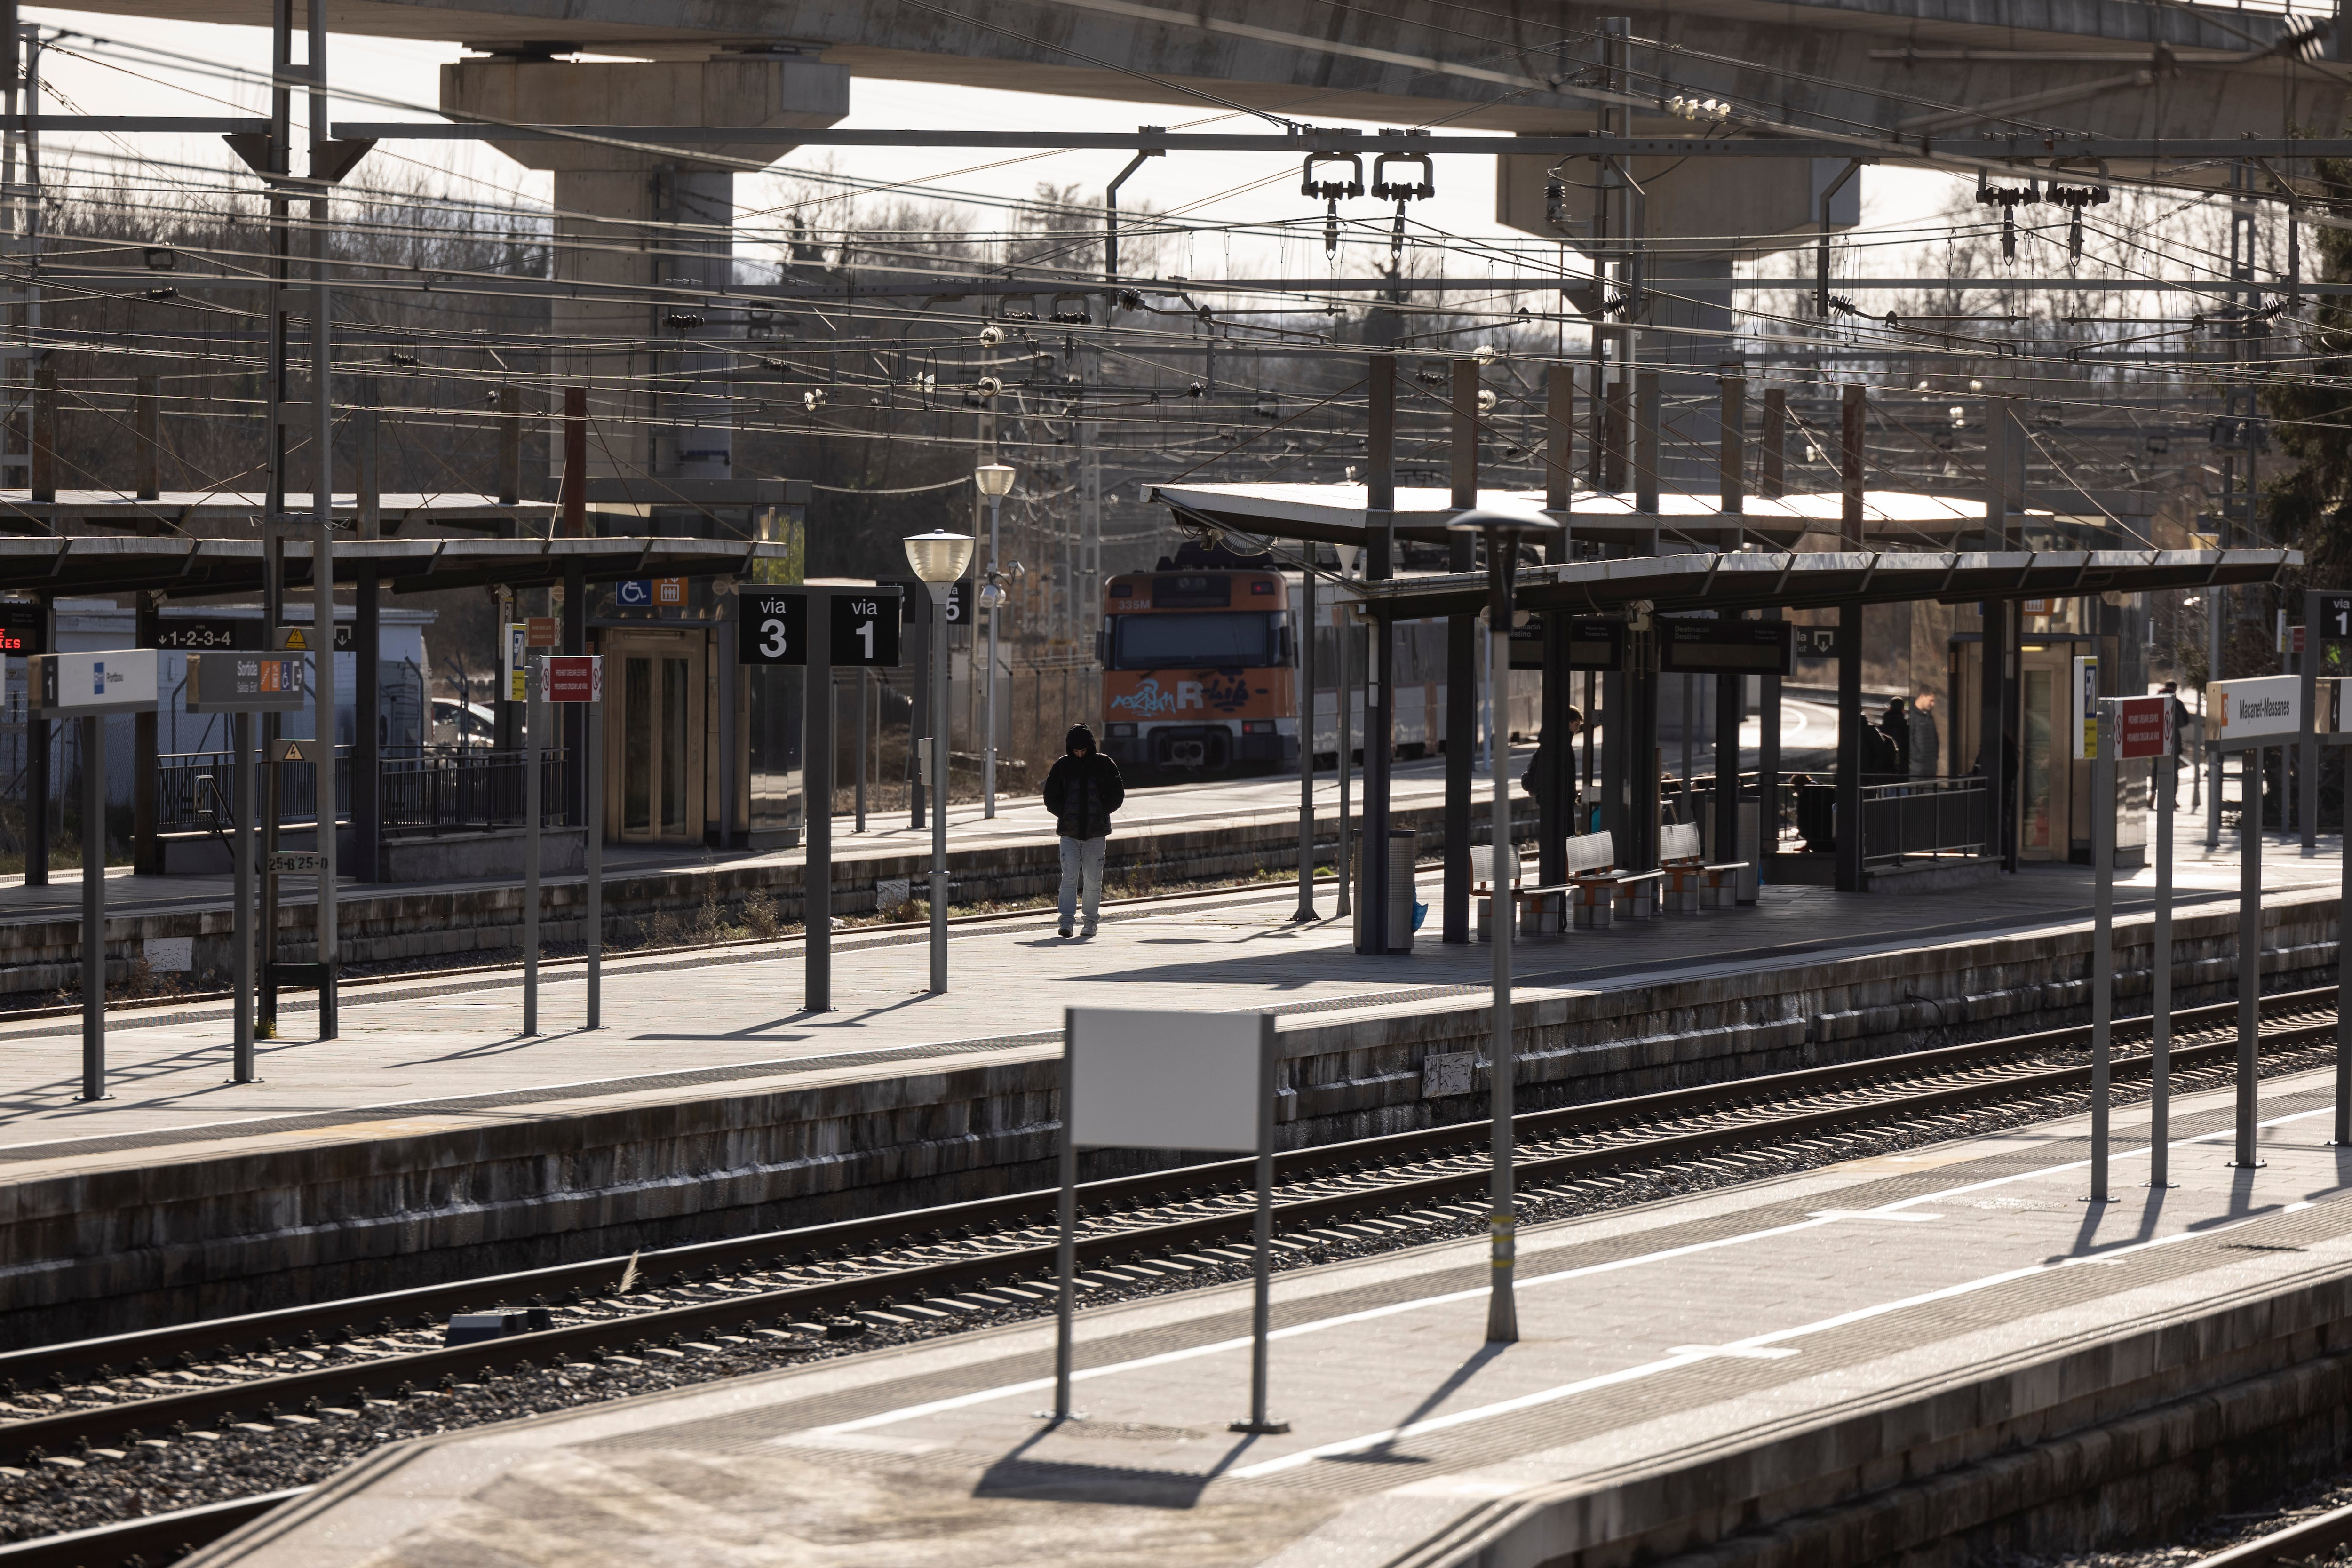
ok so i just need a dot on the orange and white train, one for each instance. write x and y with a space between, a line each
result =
1200 673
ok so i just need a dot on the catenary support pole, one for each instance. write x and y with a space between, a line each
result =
534 729
1849 850
816 764
241 1070
2343 978
2250 948
1380 730
594 829
1460 666
2103 944
2306 665
2159 1172
93 908
1502 1308
1307 738
1343 638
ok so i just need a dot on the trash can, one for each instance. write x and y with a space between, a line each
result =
1402 843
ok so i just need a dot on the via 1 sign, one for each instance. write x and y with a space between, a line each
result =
2143 726
865 629
571 678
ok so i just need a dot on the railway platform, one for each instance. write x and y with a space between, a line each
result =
1919 1355
432 1140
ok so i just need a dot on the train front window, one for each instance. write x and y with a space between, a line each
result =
1169 641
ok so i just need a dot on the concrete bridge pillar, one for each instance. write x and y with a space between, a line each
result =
648 225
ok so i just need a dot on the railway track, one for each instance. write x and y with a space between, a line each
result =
66 1399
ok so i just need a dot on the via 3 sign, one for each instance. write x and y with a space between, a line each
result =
2247 712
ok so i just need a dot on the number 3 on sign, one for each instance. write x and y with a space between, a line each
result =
775 629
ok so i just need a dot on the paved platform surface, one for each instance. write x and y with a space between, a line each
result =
1154 808
1689 1327
730 1017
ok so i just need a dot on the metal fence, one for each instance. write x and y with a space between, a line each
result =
1924 816
428 791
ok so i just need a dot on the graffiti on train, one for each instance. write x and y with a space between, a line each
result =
1212 692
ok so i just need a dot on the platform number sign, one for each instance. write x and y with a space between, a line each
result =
775 629
865 629
2333 612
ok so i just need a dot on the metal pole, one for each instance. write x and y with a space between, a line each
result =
2103 948
2344 983
1502 1311
241 924
2250 946
594 829
2308 752
532 728
1342 645
93 908
939 739
2161 978
996 613
1262 1299
322 541
1306 629
2213 759
816 762
1065 1250
918 715
862 695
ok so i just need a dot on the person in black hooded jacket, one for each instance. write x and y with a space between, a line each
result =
1082 791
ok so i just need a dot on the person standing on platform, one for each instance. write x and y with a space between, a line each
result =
1895 755
2180 716
1926 745
1537 779
1082 791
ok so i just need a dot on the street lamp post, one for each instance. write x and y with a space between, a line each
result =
1501 531
995 482
938 559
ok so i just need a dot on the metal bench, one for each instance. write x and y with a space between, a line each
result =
1482 886
1691 884
1596 892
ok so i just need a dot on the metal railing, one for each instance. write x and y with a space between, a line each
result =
1924 816
423 792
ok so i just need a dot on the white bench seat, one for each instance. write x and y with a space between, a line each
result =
1692 882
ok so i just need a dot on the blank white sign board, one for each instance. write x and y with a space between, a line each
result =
1163 1080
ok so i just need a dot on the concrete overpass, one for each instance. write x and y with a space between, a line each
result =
2110 68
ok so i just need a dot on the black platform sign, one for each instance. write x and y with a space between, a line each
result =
1817 642
866 627
915 601
1594 642
1690 647
774 630
24 631
203 632
862 626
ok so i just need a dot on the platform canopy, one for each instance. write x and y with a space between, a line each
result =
177 509
178 565
1334 513
1773 579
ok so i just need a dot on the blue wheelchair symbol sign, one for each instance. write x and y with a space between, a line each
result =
635 594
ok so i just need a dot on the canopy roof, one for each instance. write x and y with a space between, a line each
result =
1334 513
1760 579
181 565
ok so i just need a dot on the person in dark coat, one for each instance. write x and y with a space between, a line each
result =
1082 791
1537 778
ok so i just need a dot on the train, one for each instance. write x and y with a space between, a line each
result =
1201 672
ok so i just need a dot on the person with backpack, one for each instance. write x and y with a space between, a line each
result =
1082 791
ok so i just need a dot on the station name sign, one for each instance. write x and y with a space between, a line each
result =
2261 708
